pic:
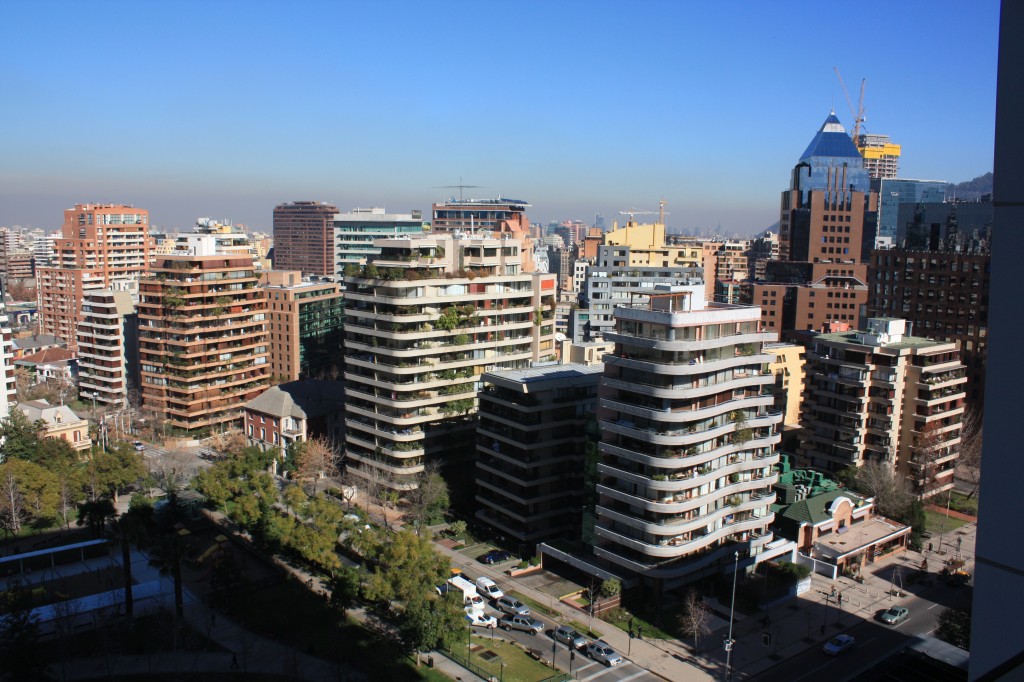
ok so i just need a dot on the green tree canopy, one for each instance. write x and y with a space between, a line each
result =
408 568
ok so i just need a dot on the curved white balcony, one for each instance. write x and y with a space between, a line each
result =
682 506
689 367
685 548
690 391
687 416
692 345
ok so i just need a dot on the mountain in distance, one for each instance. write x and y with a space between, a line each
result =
971 190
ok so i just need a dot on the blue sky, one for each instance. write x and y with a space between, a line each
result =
228 108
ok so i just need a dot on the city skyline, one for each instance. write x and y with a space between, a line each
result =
201 109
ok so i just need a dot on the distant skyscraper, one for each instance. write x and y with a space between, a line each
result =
881 157
8 392
827 230
599 221
304 237
897 191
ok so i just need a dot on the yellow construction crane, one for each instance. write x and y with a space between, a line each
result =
858 114
661 212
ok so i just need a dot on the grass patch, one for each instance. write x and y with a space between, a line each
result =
584 630
518 665
938 523
621 619
960 503
536 605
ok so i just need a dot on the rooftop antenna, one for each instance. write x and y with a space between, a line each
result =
460 187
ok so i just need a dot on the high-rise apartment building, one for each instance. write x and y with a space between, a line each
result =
530 445
883 395
945 295
354 233
304 237
8 387
881 155
688 437
202 338
102 246
108 347
422 322
499 216
305 319
827 230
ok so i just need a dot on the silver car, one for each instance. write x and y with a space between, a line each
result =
600 651
507 604
569 637
524 623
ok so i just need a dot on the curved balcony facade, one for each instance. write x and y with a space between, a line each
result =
688 437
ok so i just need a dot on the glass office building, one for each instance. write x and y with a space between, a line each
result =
896 192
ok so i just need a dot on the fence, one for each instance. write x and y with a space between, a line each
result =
480 672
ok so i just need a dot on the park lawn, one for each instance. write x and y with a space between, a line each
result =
519 666
938 523
967 506
536 605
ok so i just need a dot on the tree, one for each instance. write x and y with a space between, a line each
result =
230 443
892 493
407 568
21 438
95 514
171 472
109 472
13 511
695 618
316 458
427 619
430 499
968 466
610 587
955 627
345 586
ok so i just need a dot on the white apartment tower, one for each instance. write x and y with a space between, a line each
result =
688 437
422 323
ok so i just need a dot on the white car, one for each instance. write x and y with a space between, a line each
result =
600 651
838 645
474 617
488 588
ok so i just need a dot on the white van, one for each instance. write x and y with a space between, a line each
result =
488 588
469 593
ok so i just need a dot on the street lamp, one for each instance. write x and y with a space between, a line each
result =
729 642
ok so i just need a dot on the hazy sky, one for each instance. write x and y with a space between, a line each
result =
225 109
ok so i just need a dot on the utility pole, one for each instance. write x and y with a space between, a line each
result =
729 641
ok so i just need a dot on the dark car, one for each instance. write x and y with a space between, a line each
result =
495 556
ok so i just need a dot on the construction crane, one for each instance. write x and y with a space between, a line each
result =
858 113
661 212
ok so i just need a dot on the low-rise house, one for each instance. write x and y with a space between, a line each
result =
836 530
57 421
295 412
58 364
28 345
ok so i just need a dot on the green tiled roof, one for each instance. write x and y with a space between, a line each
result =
812 510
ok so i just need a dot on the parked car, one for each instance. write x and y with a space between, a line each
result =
487 587
569 637
139 445
524 623
495 556
512 606
839 644
474 617
600 651
895 615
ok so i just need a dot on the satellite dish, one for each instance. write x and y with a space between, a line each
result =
559 337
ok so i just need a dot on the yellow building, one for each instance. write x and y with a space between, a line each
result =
881 157
647 246
788 368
